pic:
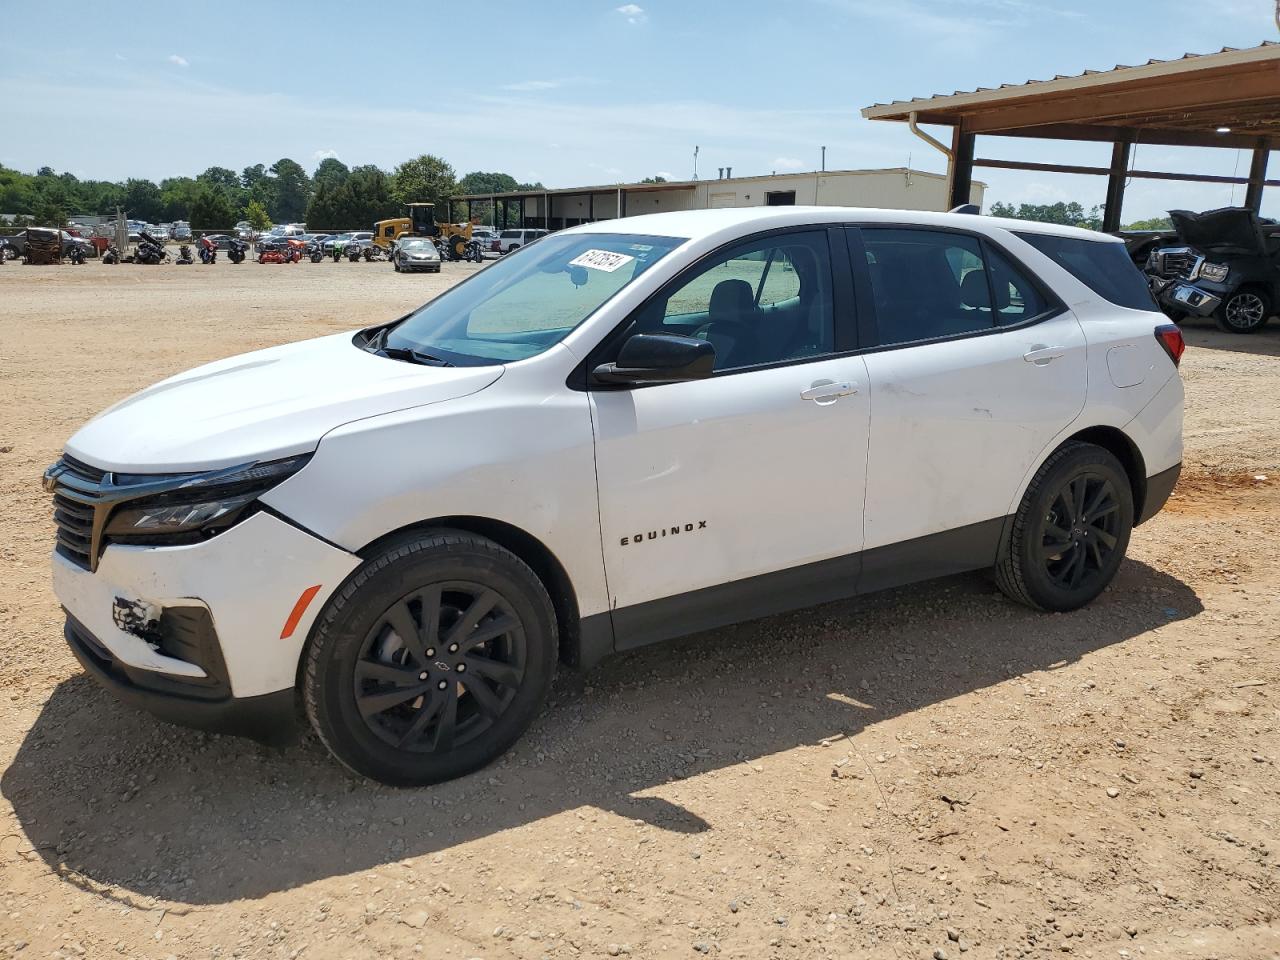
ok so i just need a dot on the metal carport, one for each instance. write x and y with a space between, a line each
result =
1225 99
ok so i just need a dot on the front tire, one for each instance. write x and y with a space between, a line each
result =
431 660
1070 532
1245 311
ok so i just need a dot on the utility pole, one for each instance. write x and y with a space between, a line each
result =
695 152
824 149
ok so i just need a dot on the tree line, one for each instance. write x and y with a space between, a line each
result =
1071 214
333 195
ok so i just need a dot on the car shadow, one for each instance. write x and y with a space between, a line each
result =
1204 335
109 796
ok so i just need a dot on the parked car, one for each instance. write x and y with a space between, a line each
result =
361 238
510 240
244 230
485 236
220 240
630 431
16 245
1225 264
415 253
181 231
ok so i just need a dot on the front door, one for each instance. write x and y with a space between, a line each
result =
758 469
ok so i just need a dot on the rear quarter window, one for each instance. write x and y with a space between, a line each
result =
1105 268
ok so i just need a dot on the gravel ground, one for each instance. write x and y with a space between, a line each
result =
930 772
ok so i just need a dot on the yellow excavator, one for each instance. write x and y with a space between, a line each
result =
421 222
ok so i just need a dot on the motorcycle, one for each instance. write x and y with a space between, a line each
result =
475 252
236 250
150 251
112 255
288 251
76 254
184 255
208 251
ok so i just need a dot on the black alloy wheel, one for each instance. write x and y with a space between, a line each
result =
1069 535
431 660
440 666
1080 531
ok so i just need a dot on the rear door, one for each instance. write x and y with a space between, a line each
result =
756 470
964 397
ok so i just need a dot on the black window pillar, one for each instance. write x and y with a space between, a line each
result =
961 168
1257 176
1115 186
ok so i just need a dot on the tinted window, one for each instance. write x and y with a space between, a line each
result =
764 301
927 284
1017 298
1105 268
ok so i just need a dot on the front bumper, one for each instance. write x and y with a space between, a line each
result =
240 586
270 718
1196 299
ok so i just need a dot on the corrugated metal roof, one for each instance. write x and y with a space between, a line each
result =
1120 73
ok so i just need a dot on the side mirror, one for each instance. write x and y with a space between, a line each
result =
659 358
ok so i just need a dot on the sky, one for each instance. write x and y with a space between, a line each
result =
570 92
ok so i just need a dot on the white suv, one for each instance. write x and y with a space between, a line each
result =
509 240
631 431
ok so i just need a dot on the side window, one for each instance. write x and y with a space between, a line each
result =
764 301
1017 298
927 284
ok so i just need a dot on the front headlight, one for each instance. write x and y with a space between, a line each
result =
1215 272
203 504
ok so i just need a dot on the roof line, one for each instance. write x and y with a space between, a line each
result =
1188 63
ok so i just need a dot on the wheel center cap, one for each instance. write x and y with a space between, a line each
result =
441 665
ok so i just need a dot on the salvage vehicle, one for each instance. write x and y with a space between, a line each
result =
1225 264
414 253
629 431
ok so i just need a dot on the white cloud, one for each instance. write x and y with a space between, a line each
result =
120 56
788 163
178 61
633 12
325 155
666 174
525 86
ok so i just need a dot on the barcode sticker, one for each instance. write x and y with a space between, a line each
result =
605 260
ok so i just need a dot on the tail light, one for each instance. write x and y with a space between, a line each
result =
1170 338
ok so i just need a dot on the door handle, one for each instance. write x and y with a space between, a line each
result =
828 391
1040 354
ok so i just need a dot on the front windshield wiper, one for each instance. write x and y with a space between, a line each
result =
377 344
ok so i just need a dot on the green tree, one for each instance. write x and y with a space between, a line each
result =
251 175
221 177
257 215
292 191
142 200
1155 223
332 172
177 194
425 179
212 210
657 179
1070 214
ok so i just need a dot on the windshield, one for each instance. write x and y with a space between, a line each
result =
529 300
415 245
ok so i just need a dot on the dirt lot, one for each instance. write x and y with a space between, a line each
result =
925 773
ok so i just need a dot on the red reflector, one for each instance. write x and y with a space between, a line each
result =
298 610
1170 338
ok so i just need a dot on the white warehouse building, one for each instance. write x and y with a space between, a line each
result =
895 188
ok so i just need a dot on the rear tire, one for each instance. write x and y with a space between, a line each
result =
1070 533
1245 311
471 676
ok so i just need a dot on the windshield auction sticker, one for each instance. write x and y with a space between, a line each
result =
605 260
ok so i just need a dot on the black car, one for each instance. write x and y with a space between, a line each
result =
1224 263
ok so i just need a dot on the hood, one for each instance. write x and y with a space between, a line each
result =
262 406
1227 230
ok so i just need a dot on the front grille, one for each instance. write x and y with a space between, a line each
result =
75 501
1176 264
75 530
